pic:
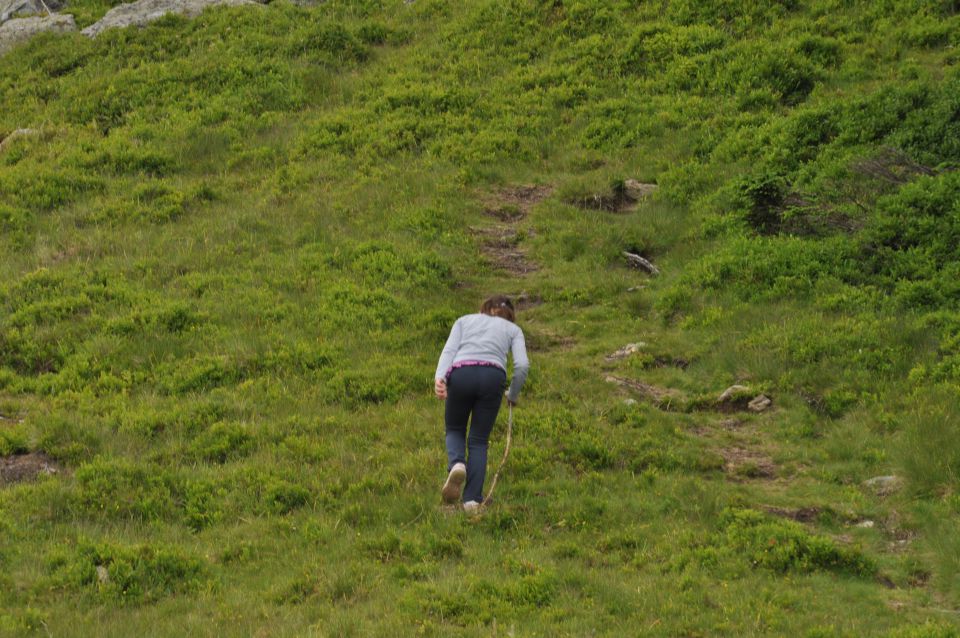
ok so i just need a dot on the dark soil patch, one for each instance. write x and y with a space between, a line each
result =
26 467
731 424
919 578
500 246
742 463
500 243
523 301
668 362
802 515
506 213
736 404
614 202
623 196
514 202
886 581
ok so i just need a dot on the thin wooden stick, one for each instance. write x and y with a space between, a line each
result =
503 461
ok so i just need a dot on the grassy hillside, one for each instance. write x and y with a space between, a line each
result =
233 247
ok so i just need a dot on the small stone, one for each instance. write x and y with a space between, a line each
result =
759 403
629 401
884 485
866 524
103 576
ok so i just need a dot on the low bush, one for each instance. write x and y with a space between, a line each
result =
116 489
128 574
222 441
786 546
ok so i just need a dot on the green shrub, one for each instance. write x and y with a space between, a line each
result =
786 546
355 389
133 574
199 374
13 440
202 504
68 438
283 497
31 352
586 450
222 441
120 489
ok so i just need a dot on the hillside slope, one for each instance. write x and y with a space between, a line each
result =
233 247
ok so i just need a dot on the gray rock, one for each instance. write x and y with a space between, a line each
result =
638 190
884 485
732 393
759 403
626 351
21 8
145 11
103 576
19 30
16 134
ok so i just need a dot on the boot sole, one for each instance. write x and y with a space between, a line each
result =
454 486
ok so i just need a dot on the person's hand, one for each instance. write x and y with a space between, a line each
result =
440 388
509 402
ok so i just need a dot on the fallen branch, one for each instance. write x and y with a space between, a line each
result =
639 262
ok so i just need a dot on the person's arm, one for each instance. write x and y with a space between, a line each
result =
521 365
446 360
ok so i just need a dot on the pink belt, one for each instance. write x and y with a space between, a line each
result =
472 362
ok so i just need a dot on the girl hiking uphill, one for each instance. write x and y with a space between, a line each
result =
471 376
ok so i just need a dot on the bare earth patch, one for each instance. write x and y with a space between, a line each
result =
514 202
801 515
500 246
621 198
26 467
743 463
500 243
523 301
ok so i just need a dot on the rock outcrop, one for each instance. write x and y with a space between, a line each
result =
145 11
22 8
9 139
19 30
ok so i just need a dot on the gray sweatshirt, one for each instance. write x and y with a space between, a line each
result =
482 337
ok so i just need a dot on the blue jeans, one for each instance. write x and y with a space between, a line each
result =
476 390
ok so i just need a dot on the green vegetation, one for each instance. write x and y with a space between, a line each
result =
233 247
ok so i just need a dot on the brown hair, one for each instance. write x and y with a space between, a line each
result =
498 306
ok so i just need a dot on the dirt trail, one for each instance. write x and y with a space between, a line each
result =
501 242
